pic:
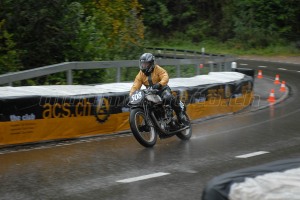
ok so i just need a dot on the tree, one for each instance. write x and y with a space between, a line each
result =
252 23
41 30
48 32
9 57
121 25
259 23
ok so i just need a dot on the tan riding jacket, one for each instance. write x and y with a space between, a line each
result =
158 75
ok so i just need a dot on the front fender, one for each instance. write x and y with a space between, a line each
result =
131 107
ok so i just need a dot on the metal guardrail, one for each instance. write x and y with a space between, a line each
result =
189 58
180 53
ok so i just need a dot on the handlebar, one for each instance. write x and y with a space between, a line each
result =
150 90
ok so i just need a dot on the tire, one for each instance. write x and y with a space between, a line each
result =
187 133
137 121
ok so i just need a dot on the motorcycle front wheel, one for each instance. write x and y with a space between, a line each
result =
143 132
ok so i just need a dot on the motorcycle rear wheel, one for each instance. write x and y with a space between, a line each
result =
143 133
187 133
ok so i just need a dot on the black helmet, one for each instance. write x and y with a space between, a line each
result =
146 63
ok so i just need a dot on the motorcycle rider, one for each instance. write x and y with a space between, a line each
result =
151 74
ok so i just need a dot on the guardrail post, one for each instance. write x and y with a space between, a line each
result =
178 71
69 77
211 65
233 66
202 51
118 74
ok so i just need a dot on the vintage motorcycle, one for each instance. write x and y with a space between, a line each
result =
150 117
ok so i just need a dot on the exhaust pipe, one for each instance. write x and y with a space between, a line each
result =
164 131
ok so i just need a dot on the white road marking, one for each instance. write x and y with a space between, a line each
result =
282 69
138 178
243 64
252 154
262 66
298 71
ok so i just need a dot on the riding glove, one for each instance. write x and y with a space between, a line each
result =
156 86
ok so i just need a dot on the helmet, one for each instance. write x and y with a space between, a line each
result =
146 63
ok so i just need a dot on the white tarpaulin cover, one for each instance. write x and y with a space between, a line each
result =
57 90
271 186
279 180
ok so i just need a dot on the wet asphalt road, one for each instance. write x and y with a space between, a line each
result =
92 169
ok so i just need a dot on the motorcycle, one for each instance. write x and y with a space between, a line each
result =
150 118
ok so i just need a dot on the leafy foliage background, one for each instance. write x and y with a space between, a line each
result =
38 33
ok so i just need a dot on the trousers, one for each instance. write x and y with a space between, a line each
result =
169 99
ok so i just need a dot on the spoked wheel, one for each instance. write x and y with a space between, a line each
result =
144 134
187 133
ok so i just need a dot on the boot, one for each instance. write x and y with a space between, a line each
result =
180 114
182 118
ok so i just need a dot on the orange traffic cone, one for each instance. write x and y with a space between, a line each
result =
277 79
259 74
271 98
282 87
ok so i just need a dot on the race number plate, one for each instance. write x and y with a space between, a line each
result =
137 97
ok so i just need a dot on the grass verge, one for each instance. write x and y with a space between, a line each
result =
233 48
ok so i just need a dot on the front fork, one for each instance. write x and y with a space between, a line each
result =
182 106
